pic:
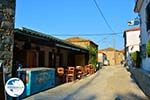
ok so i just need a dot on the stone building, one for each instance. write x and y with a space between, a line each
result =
82 42
101 57
114 56
93 52
35 49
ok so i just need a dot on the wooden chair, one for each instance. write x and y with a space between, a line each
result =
92 69
79 72
87 69
70 76
60 71
60 75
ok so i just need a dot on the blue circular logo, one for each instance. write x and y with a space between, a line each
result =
14 87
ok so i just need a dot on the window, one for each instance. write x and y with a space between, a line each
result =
148 17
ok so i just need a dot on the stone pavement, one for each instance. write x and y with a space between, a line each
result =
109 83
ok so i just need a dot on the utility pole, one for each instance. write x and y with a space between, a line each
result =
7 18
114 45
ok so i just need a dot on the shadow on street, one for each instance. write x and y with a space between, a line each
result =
70 96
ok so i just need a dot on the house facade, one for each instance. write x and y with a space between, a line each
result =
90 45
114 56
131 45
119 56
82 42
142 7
38 56
141 75
101 57
34 49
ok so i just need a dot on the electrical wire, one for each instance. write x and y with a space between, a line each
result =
101 13
87 34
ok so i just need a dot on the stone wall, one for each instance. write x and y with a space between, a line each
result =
114 56
7 16
142 78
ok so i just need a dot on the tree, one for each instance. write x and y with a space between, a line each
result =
135 56
92 55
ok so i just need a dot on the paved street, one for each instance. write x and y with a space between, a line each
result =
109 83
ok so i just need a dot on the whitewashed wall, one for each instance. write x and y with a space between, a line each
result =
144 34
133 41
100 57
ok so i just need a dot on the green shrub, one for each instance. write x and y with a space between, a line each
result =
148 48
134 57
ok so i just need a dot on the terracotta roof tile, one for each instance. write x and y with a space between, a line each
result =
132 29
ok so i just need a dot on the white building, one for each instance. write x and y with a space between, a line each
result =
142 7
141 75
101 57
132 42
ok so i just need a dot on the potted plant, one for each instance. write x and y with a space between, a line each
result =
134 57
148 48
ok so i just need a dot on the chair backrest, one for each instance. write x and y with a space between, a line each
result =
79 68
71 70
60 71
87 69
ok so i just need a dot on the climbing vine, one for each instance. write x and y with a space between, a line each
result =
92 55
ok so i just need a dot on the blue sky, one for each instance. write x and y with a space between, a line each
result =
73 17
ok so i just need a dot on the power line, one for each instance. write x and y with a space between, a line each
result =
104 39
100 11
108 25
87 34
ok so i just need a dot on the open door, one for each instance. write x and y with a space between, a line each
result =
31 58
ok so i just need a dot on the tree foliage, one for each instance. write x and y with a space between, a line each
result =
148 48
92 55
134 56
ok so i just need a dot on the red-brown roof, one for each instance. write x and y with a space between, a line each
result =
108 49
122 51
99 51
132 29
111 49
76 39
79 39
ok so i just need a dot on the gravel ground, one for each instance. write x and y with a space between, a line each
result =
109 83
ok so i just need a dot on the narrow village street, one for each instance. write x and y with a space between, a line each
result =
109 83
52 50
